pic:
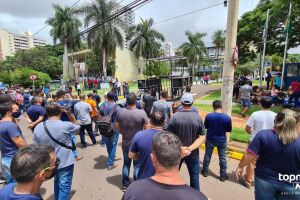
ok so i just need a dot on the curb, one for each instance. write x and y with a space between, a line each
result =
231 153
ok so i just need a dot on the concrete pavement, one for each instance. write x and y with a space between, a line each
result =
92 181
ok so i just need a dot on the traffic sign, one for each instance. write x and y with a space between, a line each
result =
32 77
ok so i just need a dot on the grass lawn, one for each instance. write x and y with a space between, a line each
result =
239 135
215 95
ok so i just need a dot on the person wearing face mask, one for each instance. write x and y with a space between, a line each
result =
11 138
58 133
30 167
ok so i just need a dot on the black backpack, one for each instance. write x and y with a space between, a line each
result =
105 124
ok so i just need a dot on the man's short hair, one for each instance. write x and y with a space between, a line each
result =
82 97
167 149
266 103
110 96
5 108
53 109
188 89
28 161
131 99
60 94
164 94
157 118
90 95
36 99
217 104
4 98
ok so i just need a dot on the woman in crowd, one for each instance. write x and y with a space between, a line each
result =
278 156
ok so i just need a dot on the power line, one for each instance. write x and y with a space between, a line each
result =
74 4
119 12
195 11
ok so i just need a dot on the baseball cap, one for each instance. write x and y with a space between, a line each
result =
187 99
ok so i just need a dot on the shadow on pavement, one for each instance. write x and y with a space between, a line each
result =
72 193
115 180
100 162
231 176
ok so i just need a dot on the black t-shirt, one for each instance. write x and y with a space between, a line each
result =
149 189
148 100
187 125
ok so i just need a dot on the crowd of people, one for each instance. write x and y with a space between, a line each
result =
156 138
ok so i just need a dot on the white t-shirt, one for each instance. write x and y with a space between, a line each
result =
261 120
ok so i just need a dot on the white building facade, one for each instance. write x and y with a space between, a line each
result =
12 42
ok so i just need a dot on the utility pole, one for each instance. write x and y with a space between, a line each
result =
287 27
230 44
265 35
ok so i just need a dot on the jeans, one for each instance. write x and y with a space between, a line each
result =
265 190
63 182
5 168
193 165
103 140
89 129
73 137
126 168
209 147
111 146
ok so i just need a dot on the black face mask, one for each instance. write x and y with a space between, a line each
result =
16 114
54 170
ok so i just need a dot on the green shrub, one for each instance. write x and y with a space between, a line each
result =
21 76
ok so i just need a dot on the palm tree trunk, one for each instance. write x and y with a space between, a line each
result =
104 62
65 63
218 64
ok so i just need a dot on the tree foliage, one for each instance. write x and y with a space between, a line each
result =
145 39
104 39
251 24
21 76
45 59
158 69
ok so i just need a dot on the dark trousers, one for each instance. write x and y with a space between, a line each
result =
89 129
193 165
209 147
268 84
295 96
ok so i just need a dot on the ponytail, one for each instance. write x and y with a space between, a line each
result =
286 126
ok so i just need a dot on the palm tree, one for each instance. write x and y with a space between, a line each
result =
144 39
194 48
219 42
107 37
64 26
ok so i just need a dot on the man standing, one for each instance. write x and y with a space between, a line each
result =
259 120
188 126
141 146
94 113
82 112
245 94
268 79
218 127
58 133
109 107
163 106
149 100
30 167
130 120
11 138
36 112
166 183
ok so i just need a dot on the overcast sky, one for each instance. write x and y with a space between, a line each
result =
22 15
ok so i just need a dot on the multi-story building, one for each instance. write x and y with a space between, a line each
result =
11 42
216 55
167 48
129 19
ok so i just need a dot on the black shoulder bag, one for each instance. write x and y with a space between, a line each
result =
73 147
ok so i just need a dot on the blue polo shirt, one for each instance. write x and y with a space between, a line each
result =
142 145
217 124
7 193
35 111
275 158
8 130
64 117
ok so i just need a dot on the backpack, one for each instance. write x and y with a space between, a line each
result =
105 124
